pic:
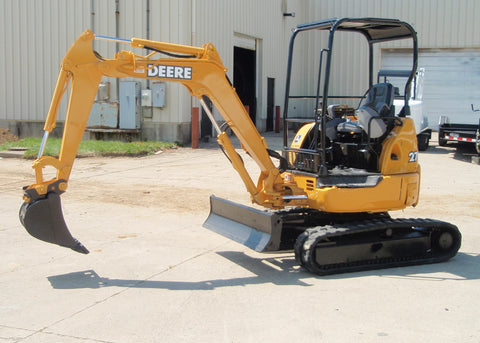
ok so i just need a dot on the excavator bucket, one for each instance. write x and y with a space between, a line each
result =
43 219
258 230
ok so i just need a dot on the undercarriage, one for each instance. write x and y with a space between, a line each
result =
331 243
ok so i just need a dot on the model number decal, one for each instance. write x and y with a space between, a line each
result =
413 156
169 72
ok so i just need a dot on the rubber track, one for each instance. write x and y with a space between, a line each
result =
305 246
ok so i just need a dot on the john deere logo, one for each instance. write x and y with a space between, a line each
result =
169 72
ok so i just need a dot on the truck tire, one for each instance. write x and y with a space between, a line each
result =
423 142
477 143
441 141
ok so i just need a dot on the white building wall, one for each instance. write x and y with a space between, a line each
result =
218 22
36 34
439 24
443 28
169 22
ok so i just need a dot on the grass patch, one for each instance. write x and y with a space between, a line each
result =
90 147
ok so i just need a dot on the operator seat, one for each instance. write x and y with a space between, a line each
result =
379 104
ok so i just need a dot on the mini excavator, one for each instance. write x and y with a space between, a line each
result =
326 197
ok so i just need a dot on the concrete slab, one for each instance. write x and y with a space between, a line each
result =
11 153
155 275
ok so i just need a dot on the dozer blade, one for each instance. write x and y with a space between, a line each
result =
43 219
258 230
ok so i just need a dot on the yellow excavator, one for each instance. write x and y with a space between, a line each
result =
327 196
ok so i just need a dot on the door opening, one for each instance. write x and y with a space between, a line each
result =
270 103
244 78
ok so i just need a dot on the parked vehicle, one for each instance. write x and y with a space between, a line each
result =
460 132
424 133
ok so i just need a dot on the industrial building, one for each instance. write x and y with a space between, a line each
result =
252 38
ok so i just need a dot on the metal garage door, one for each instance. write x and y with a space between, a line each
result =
451 84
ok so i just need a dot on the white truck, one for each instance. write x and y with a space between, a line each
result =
424 133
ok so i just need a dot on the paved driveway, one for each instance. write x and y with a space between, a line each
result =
155 275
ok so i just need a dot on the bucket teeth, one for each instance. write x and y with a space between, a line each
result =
43 219
79 247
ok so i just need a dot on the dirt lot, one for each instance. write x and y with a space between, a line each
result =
154 274
7 136
185 179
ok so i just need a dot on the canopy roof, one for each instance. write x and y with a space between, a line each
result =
374 29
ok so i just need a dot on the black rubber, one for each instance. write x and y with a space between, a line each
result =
441 240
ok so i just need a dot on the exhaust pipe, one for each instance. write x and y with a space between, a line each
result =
43 219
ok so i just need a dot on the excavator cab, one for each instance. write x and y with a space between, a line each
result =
340 136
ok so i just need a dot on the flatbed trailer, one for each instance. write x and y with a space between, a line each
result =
458 132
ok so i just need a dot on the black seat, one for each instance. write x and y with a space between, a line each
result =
378 104
380 98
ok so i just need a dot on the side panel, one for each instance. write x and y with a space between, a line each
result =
103 115
399 150
129 116
392 193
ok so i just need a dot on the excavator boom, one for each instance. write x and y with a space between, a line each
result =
199 69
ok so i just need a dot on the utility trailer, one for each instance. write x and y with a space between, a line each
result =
459 132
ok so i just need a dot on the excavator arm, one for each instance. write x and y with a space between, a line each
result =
199 69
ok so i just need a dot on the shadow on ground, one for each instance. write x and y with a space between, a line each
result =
279 271
458 151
